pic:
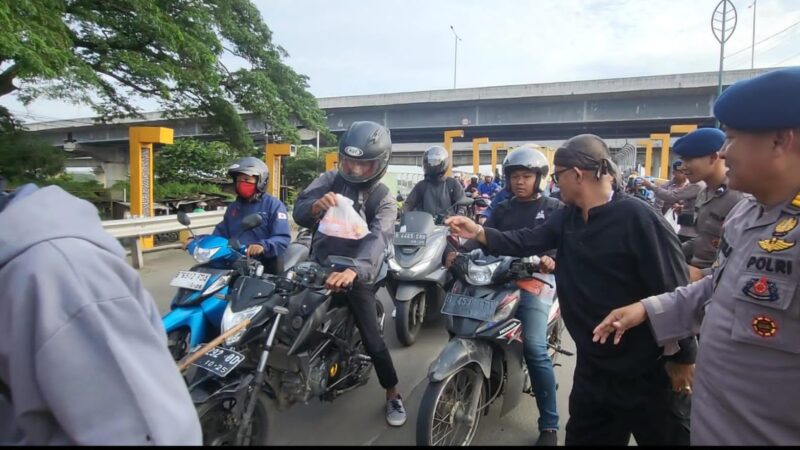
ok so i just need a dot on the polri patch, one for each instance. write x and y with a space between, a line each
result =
761 289
765 326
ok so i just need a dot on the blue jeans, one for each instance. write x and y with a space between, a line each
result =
532 312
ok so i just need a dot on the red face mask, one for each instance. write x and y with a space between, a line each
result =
245 190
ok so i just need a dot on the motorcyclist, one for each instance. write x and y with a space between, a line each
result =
270 240
525 171
488 186
364 152
436 192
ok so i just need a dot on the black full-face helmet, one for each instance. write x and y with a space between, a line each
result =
364 152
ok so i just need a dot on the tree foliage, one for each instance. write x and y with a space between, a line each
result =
192 161
109 53
302 169
25 158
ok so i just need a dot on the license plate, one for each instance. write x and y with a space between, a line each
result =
410 239
470 307
190 280
219 361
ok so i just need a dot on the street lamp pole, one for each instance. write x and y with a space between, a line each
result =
723 31
455 57
753 46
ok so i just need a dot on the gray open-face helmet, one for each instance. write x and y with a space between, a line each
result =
252 166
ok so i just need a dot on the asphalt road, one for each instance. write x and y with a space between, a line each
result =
357 418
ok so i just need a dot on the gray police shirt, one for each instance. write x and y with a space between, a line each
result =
747 381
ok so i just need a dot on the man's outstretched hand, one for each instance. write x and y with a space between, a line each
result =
619 321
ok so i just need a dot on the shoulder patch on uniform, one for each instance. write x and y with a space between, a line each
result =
796 201
282 216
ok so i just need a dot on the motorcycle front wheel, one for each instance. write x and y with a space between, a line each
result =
449 414
220 425
408 319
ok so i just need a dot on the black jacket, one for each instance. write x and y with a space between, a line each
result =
624 253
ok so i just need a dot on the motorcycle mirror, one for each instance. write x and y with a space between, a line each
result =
183 219
482 203
464 201
252 221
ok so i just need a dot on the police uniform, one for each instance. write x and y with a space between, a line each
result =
748 311
711 209
711 206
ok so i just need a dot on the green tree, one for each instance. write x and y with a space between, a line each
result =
303 168
108 53
25 158
192 161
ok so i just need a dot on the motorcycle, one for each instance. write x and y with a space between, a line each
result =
301 343
484 358
196 309
417 280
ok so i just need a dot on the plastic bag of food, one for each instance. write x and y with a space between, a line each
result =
342 221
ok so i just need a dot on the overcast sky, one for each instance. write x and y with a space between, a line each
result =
352 47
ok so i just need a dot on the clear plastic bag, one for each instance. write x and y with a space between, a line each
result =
342 221
672 219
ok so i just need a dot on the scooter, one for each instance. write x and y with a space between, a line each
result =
417 280
483 360
196 309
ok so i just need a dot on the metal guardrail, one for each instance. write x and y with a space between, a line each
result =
147 226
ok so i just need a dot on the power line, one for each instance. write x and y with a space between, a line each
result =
787 59
764 40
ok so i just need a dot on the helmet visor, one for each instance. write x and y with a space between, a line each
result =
358 170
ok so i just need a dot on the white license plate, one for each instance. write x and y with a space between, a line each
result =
220 361
190 280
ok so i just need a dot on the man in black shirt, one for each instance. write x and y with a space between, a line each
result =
612 251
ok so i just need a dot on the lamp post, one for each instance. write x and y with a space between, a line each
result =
753 45
723 30
455 57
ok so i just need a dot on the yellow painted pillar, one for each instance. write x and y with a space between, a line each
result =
648 156
141 141
331 160
495 147
682 129
664 138
476 149
273 154
448 145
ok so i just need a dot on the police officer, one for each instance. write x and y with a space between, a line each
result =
364 152
699 151
436 193
681 191
748 310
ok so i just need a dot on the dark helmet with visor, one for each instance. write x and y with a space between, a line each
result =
364 152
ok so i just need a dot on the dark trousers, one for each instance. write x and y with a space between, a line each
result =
605 409
361 301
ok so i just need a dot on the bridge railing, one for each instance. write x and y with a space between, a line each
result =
202 222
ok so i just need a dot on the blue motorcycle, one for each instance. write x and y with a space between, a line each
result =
196 309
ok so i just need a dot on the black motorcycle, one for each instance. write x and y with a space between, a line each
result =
302 342
484 358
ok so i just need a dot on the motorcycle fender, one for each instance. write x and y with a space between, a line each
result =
438 276
458 353
515 382
192 318
407 291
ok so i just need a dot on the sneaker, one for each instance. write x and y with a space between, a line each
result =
547 438
395 413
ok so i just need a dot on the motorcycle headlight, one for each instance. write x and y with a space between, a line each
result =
230 319
204 255
478 275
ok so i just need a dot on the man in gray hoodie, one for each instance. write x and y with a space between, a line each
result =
83 353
